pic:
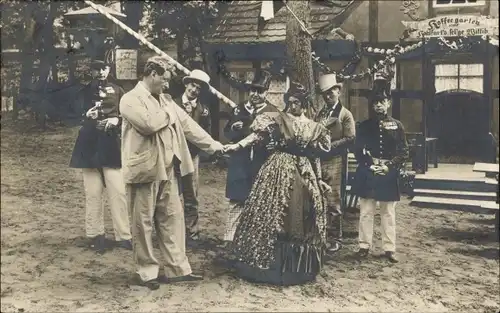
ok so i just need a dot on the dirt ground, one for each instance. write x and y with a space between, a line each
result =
449 260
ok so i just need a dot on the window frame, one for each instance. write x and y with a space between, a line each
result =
459 75
435 5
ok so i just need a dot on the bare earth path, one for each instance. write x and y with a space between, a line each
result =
449 260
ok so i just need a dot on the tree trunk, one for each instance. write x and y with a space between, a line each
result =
47 60
298 48
28 58
133 10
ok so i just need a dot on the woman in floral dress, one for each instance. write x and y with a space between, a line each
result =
280 237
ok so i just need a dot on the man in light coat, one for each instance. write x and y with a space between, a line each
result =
154 133
342 128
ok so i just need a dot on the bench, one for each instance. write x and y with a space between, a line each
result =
490 169
487 168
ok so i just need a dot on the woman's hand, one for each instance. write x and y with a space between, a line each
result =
324 187
230 148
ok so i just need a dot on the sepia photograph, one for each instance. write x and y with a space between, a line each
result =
250 156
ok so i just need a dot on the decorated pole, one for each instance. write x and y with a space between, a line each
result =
298 47
142 39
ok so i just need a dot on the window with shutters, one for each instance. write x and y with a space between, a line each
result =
459 76
457 3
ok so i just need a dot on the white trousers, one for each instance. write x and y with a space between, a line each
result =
388 221
94 215
235 209
158 205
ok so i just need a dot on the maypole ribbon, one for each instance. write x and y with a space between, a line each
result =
142 39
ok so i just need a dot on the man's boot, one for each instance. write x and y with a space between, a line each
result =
391 256
98 244
362 253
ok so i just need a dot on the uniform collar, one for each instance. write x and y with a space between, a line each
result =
384 118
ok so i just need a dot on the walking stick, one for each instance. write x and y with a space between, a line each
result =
142 39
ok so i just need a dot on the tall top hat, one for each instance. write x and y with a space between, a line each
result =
261 80
197 76
328 81
381 90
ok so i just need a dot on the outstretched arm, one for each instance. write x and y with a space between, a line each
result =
194 133
262 128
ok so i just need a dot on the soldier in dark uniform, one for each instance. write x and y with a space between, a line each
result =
196 82
244 164
381 151
97 153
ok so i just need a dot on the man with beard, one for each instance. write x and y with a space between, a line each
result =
381 151
340 123
244 164
196 82
97 153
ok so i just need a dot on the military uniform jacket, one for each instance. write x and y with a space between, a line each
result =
384 140
242 169
95 147
200 113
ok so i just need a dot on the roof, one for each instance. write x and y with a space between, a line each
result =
240 22
89 10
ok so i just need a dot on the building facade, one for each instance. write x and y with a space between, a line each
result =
445 88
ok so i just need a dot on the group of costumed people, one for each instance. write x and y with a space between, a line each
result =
293 167
283 183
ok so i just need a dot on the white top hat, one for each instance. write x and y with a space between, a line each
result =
328 81
198 76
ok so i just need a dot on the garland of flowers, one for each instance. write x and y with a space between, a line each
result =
222 70
389 60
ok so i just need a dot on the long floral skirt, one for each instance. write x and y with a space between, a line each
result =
280 235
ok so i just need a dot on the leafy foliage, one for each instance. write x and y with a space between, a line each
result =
16 13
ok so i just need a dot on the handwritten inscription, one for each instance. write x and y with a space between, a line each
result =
126 64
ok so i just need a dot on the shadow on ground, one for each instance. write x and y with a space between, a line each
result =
487 253
477 235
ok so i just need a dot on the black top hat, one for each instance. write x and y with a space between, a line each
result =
381 90
261 80
381 96
98 64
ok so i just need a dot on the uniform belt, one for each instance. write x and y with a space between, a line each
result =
379 161
101 124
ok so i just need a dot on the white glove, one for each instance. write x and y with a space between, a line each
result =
92 113
111 122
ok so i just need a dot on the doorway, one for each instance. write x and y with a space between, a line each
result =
461 124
